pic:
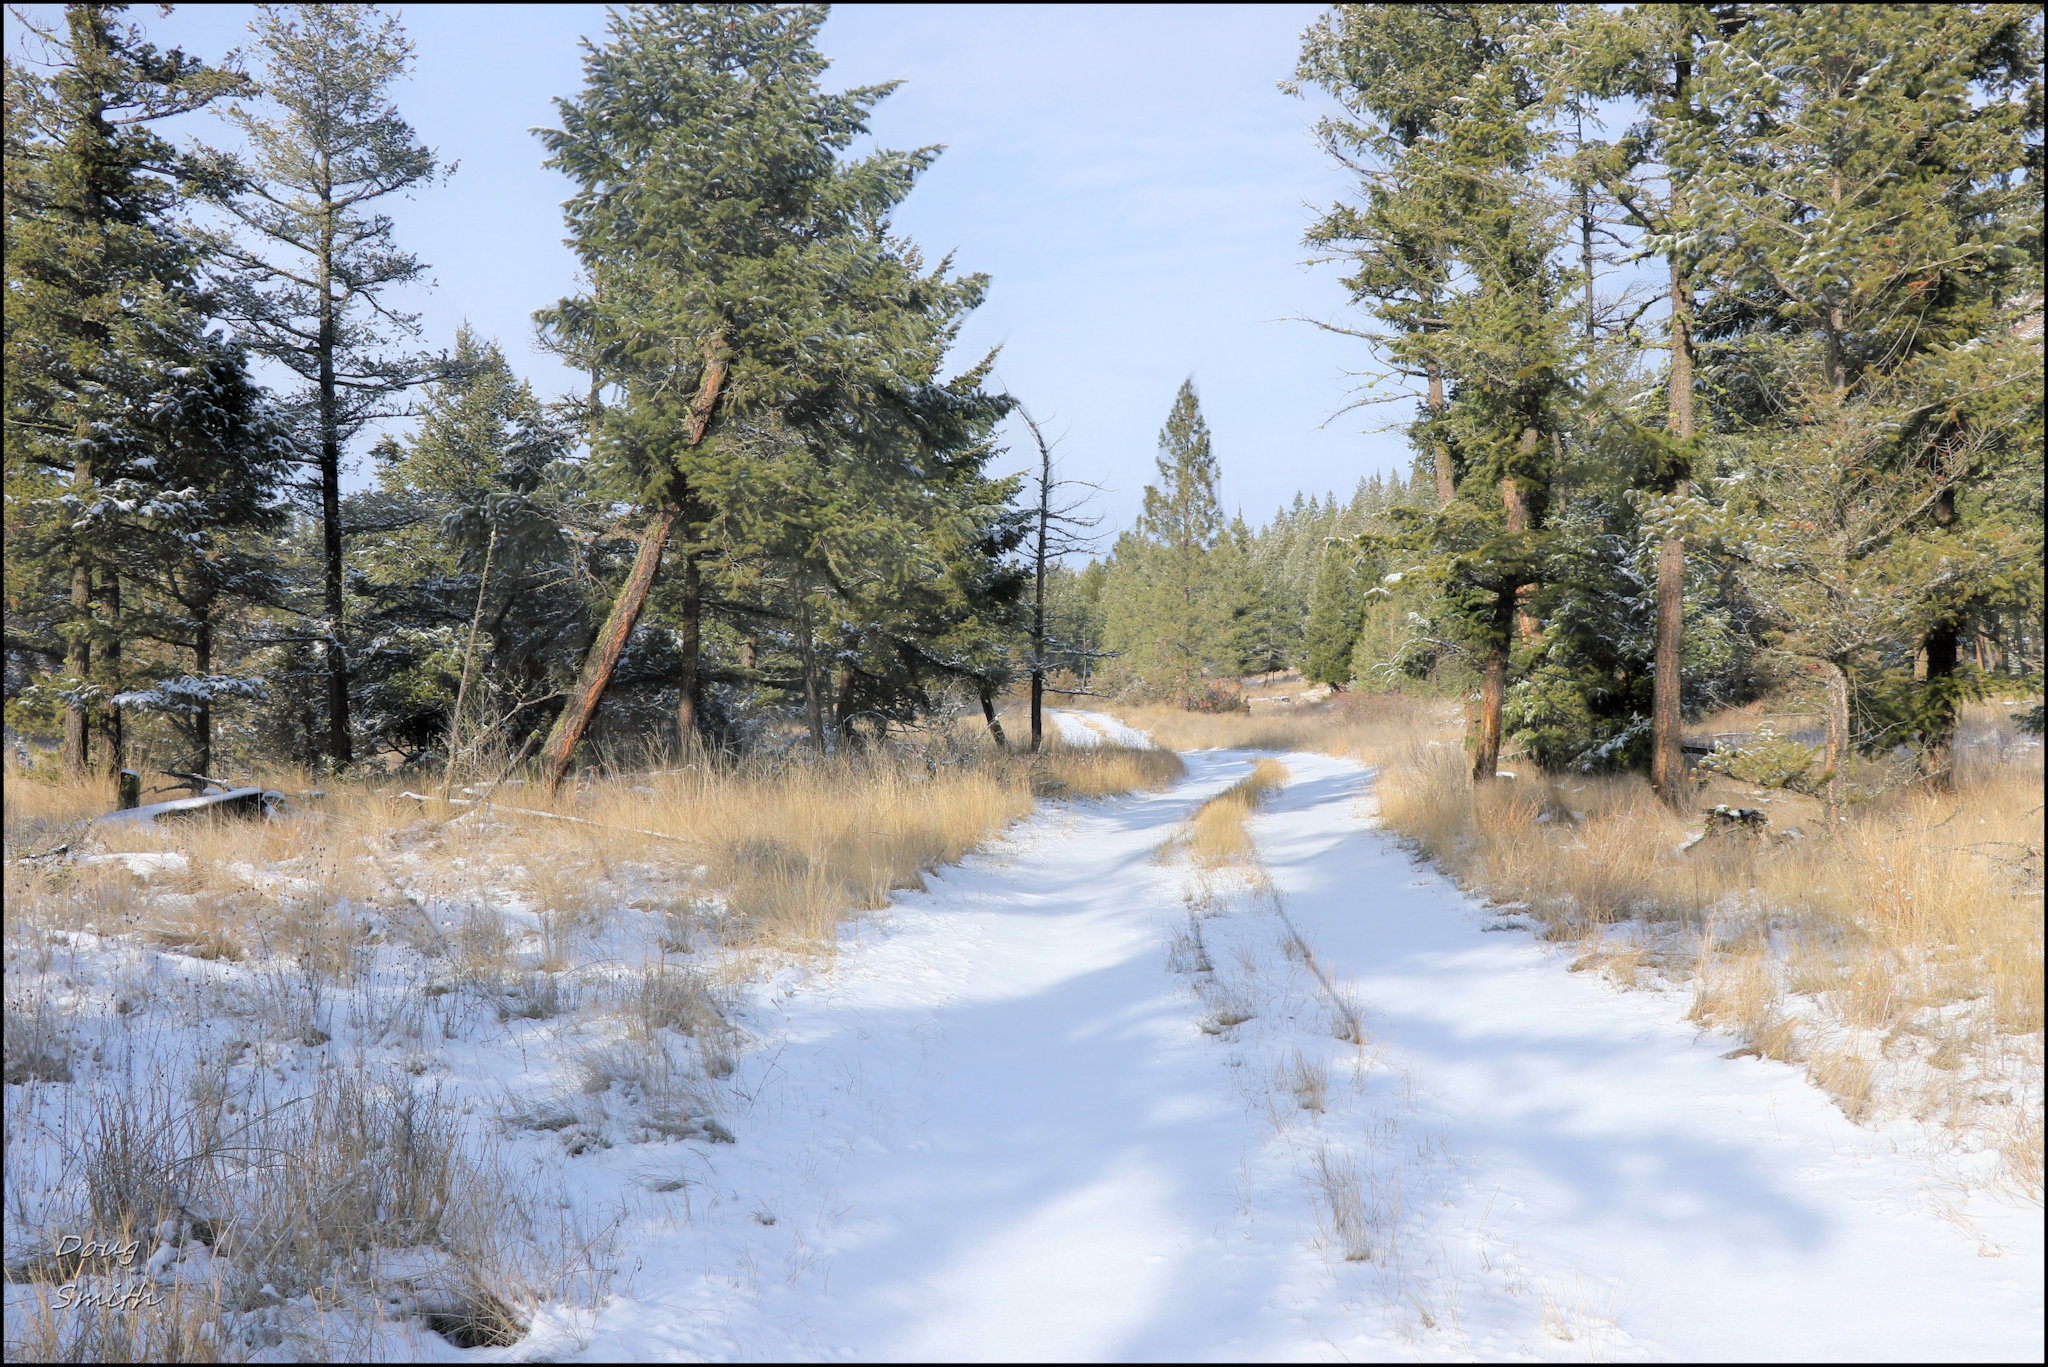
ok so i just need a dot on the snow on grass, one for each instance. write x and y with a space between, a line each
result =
1083 1095
1087 729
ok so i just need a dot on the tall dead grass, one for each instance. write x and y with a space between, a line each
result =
1898 954
789 845
264 1119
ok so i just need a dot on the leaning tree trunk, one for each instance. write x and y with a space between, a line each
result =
604 655
1667 735
611 641
988 714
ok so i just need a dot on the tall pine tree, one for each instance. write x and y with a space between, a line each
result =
135 438
311 261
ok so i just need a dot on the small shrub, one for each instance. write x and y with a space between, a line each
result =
1768 760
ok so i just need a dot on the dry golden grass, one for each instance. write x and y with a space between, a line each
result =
591 909
1918 918
790 846
1217 834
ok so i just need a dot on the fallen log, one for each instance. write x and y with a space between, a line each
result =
249 803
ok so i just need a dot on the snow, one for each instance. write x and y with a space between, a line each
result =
994 1129
1097 728
148 812
1005 1121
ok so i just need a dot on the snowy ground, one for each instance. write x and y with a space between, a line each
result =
997 1127
1080 1100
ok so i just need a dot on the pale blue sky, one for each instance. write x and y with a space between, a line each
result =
1130 177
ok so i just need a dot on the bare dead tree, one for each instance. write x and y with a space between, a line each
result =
1061 529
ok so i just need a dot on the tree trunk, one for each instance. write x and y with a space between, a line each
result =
604 656
1937 748
202 718
111 730
988 714
78 667
1486 756
1943 647
1037 608
1037 708
1667 735
340 745
807 647
1440 451
1838 735
604 652
468 659
687 719
843 709
1667 731
1517 510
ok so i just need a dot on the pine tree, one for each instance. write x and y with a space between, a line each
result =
1167 610
752 309
1650 53
469 573
134 436
1393 68
311 262
1870 173
1333 618
1450 110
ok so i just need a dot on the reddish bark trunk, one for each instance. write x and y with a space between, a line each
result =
1486 756
1667 735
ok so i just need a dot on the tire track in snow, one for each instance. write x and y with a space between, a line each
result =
992 1130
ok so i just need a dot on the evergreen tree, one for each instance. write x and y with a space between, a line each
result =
311 262
1871 177
1456 138
1333 618
1167 611
135 439
1650 53
750 309
469 570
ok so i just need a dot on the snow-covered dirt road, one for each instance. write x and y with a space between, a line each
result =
1007 1123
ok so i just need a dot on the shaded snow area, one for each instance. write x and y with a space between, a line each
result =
1084 1098
1020 1116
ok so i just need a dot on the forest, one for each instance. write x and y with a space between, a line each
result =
728 816
1741 397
